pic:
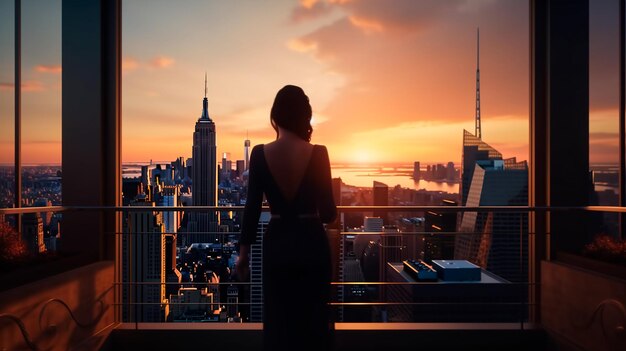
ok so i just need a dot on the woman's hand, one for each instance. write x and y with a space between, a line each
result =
242 267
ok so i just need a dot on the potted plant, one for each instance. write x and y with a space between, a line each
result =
13 251
607 249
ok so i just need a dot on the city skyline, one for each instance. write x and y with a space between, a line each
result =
385 97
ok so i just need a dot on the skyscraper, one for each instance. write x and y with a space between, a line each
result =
170 198
143 261
32 232
439 240
256 270
497 241
246 151
172 274
380 195
474 149
202 225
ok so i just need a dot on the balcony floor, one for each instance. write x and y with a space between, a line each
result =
349 337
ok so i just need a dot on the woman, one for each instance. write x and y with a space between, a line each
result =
294 175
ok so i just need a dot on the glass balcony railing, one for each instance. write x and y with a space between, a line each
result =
376 266
409 264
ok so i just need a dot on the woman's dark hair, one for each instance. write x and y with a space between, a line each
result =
292 111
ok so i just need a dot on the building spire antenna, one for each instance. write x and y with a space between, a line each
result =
478 131
205 102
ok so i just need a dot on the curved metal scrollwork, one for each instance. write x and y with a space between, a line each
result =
598 312
29 342
51 328
69 310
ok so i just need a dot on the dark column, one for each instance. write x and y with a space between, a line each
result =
91 124
568 121
559 128
538 177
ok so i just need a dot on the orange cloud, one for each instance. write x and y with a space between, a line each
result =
310 9
307 4
48 68
376 15
366 25
161 62
27 87
129 64
300 45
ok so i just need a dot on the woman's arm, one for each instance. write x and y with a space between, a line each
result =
326 202
251 212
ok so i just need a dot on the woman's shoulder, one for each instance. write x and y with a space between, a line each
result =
257 148
320 148
257 152
320 152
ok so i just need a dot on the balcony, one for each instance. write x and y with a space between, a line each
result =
84 307
565 302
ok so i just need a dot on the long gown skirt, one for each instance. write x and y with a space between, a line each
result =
296 286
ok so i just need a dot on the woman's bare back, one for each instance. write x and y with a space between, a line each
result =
288 161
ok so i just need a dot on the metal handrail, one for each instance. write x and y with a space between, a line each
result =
344 209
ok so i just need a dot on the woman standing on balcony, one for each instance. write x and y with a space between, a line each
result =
294 175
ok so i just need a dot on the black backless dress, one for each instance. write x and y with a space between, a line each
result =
296 254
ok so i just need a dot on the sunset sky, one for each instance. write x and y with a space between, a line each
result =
389 81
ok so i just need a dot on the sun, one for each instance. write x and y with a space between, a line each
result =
362 156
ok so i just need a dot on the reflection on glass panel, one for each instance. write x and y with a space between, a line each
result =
13 247
603 112
41 121
7 102
40 131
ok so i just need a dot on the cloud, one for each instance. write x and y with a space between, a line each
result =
415 61
604 136
129 64
300 45
603 152
161 62
310 9
48 68
365 24
27 87
377 15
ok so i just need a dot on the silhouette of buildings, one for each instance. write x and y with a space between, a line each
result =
439 238
32 232
380 195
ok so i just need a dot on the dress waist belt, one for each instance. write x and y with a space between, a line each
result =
299 216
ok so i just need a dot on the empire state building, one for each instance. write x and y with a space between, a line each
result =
202 226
